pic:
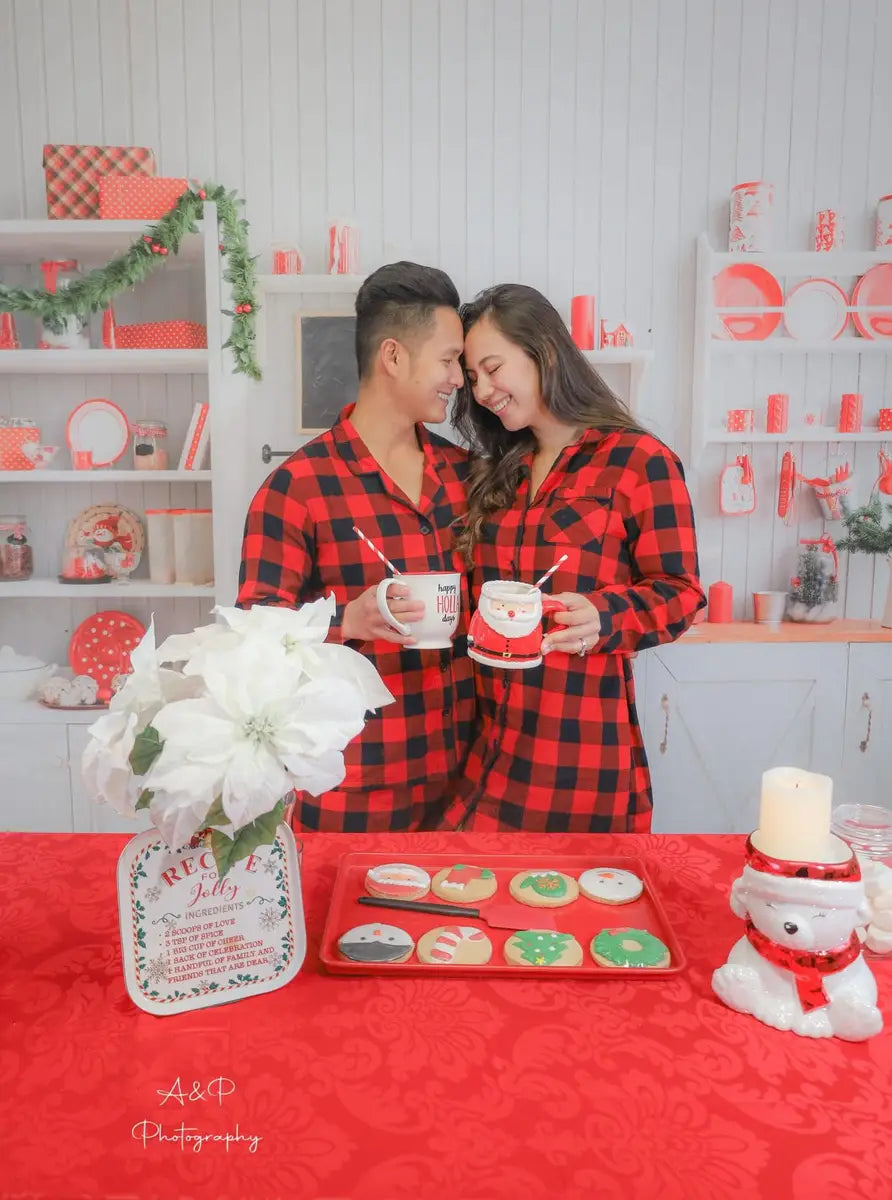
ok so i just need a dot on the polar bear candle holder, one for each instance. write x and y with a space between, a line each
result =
799 965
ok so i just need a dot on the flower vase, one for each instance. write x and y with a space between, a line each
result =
886 620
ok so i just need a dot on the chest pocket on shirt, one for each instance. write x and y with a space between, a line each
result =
577 518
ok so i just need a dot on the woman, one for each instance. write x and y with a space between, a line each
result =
562 470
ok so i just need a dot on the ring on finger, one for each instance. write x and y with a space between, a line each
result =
583 648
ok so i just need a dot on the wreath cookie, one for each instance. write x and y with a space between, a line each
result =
608 885
454 944
543 948
398 881
629 948
464 885
544 889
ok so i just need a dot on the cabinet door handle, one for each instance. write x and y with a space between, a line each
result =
664 705
865 741
267 454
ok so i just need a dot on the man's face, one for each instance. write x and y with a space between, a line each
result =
429 370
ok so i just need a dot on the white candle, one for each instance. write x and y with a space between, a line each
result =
794 815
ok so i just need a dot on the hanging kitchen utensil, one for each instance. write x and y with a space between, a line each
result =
787 485
884 482
737 488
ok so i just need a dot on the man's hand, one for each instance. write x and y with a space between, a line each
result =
362 622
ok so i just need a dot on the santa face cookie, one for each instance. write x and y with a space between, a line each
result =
544 889
464 885
397 881
542 948
454 944
375 944
629 948
608 885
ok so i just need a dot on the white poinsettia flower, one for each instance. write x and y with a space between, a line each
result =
181 812
105 765
308 623
149 685
183 647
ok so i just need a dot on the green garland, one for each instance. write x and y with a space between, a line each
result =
95 291
865 532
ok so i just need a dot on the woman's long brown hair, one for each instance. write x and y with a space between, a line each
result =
572 390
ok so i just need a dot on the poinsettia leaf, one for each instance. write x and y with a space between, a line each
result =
217 814
145 798
261 832
146 748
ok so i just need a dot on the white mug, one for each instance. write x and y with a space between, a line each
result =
440 593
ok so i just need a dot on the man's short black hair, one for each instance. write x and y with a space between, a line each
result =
397 301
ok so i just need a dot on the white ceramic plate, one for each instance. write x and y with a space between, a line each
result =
815 310
100 427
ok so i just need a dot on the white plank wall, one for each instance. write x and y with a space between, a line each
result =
576 145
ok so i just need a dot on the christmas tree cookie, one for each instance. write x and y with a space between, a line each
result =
542 948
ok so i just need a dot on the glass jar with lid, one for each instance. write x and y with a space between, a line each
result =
868 830
149 445
16 555
70 332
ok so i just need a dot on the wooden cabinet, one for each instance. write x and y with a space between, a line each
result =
866 774
36 796
718 716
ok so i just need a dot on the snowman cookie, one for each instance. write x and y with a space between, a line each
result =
375 944
397 881
542 948
454 944
608 885
464 885
544 889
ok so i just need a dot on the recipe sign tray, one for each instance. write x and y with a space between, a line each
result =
584 918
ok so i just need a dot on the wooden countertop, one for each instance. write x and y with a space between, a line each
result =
788 631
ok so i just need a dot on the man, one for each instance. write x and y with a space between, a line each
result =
379 470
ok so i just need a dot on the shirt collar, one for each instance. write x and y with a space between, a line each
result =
360 460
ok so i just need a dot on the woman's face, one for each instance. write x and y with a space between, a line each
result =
503 377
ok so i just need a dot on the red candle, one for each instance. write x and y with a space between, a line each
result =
582 321
850 413
721 602
777 415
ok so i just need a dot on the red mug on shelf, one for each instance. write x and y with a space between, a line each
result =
82 460
884 419
740 420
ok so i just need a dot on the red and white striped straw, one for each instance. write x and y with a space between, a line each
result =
551 571
375 550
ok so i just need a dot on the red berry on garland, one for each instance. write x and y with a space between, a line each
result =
202 195
246 308
162 249
220 247
147 238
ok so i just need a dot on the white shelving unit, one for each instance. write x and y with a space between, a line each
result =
37 494
708 407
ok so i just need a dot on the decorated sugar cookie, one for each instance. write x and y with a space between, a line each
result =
375 944
464 885
397 881
544 889
608 885
542 948
456 944
629 948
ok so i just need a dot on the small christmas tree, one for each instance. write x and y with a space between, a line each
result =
865 531
814 583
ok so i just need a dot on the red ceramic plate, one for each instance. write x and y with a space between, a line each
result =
746 285
874 287
100 647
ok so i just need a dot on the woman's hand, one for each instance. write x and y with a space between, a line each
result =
581 622
362 622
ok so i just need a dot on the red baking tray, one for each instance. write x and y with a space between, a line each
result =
583 918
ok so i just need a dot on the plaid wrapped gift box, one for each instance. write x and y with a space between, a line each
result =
73 172
138 197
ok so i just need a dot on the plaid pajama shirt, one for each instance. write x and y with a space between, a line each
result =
558 746
299 545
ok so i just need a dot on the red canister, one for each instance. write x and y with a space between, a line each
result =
721 603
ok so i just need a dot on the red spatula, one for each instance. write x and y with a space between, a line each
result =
497 916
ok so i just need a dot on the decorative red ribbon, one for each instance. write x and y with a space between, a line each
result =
844 872
828 545
807 967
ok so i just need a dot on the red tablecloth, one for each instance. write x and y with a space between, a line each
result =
458 1089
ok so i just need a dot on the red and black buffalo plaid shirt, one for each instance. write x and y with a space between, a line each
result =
559 746
299 545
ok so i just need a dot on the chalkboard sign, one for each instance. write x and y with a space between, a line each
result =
326 369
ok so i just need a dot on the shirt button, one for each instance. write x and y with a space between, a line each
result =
425 528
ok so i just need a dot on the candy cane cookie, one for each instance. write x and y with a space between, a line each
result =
454 944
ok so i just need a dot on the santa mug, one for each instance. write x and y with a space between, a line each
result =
506 629
440 593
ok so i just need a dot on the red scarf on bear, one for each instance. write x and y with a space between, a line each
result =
806 966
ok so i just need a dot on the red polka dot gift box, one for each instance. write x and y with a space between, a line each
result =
161 335
125 197
73 174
